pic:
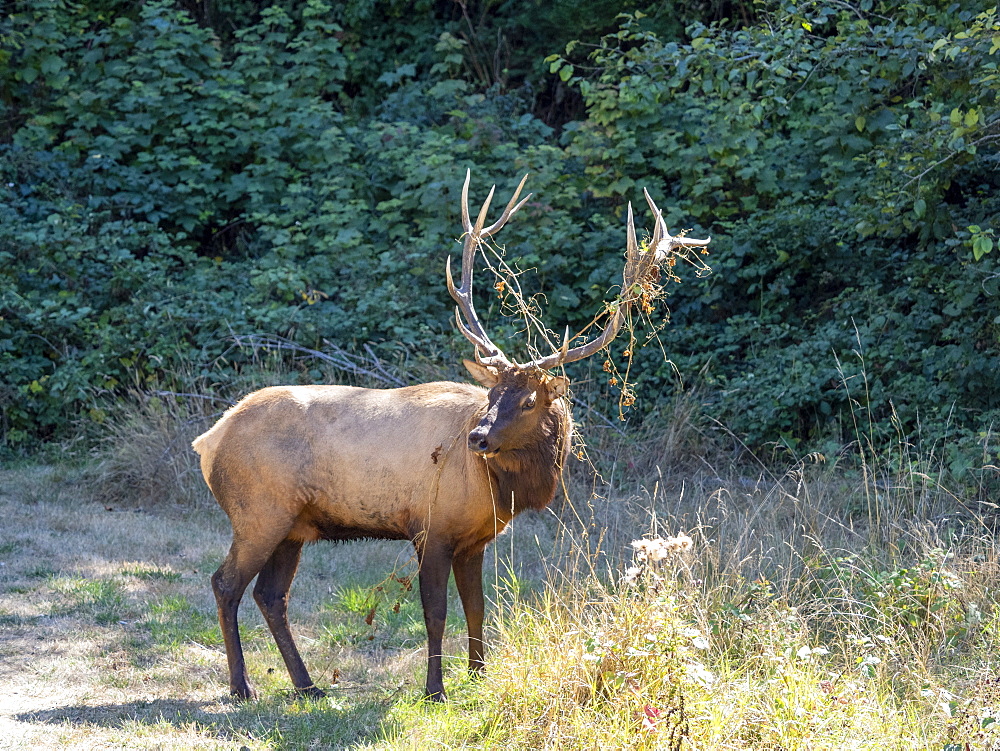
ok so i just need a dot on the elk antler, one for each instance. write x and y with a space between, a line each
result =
487 352
638 265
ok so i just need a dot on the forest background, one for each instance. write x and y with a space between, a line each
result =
198 197
177 174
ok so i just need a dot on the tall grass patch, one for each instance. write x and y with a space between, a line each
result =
685 593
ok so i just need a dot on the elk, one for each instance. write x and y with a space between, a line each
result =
444 465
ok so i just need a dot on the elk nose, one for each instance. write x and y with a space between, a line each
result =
478 442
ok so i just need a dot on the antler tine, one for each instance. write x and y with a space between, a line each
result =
634 260
507 212
637 266
477 231
660 230
631 246
471 233
663 242
472 329
481 344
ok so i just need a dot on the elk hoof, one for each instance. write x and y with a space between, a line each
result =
243 693
311 692
437 696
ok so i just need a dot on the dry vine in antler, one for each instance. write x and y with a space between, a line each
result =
639 281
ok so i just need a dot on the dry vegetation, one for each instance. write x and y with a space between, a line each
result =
834 604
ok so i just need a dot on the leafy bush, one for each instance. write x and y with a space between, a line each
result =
181 195
291 169
836 155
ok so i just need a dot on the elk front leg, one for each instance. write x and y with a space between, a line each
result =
271 594
469 580
435 567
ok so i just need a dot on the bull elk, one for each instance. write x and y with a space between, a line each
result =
444 465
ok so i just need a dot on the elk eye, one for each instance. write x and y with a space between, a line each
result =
528 403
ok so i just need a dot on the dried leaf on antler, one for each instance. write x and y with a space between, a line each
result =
647 267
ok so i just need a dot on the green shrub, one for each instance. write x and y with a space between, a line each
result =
293 170
837 157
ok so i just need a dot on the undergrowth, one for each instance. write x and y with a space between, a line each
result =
681 596
785 620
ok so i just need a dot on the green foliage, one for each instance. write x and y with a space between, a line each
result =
166 126
101 600
173 621
924 598
832 152
181 194
174 173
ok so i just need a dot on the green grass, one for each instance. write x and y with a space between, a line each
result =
386 616
9 547
172 620
100 600
39 571
146 572
817 608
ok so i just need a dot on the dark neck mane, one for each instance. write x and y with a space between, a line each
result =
527 478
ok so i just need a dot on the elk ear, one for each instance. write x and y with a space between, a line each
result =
557 386
485 374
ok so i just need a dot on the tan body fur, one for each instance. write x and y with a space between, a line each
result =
297 464
446 465
338 462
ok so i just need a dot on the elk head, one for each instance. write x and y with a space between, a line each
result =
522 396
520 400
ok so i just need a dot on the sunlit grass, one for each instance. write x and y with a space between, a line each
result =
817 607
173 620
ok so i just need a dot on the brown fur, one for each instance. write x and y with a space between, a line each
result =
297 464
445 465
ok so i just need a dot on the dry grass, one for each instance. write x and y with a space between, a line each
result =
110 637
825 604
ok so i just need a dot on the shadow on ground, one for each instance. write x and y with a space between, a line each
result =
281 722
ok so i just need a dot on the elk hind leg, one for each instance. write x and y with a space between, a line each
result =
245 559
271 594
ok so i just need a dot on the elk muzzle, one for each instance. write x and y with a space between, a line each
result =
479 441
